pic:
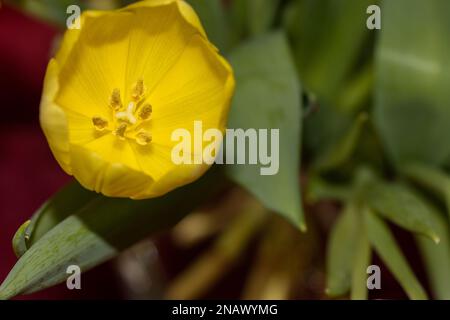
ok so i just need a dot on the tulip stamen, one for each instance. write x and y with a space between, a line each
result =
120 131
143 138
145 112
115 102
128 119
99 123
138 90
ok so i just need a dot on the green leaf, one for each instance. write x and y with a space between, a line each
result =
214 19
340 152
361 261
268 97
252 17
325 128
356 94
437 259
386 247
332 65
98 231
20 240
261 15
319 189
62 204
341 251
65 202
325 53
238 20
403 207
413 65
432 178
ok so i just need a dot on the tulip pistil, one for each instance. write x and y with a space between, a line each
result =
127 115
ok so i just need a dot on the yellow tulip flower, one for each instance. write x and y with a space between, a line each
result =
118 88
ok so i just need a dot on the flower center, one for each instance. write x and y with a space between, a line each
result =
127 119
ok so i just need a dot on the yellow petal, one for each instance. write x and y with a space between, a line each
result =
95 65
110 178
53 119
81 129
154 159
156 42
198 87
71 37
179 176
185 9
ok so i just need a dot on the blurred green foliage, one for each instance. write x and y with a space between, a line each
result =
412 101
272 89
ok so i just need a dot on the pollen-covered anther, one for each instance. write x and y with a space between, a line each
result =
143 138
120 131
115 103
138 90
99 123
145 112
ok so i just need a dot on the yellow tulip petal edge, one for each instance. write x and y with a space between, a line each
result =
119 86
